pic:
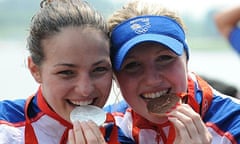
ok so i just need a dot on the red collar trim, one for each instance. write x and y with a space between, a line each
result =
30 137
46 109
141 123
207 95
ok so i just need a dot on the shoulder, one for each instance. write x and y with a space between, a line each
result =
11 110
11 120
223 116
226 105
10 134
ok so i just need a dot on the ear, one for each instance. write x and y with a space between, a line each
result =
34 69
116 81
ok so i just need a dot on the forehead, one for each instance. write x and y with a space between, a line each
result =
76 41
147 46
75 34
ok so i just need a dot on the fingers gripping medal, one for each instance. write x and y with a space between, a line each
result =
89 112
160 106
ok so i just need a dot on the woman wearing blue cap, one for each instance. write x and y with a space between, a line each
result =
150 58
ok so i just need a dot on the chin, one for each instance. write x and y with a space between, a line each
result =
158 119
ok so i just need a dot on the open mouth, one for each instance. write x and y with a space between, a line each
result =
81 102
154 95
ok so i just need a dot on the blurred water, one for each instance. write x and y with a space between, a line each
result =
17 82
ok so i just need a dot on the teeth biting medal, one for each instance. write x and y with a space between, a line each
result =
88 112
160 106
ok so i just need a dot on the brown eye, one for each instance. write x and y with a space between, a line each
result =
131 65
66 73
164 58
100 69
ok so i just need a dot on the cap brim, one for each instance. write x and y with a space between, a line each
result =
173 44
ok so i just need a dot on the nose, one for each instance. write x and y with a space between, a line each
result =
152 76
84 85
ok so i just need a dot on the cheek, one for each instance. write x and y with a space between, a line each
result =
178 77
103 87
128 86
105 82
181 84
54 92
55 89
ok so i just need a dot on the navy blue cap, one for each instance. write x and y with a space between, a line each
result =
147 28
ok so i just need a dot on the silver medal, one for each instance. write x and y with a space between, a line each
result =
89 112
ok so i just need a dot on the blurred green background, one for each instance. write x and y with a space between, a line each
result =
15 16
211 54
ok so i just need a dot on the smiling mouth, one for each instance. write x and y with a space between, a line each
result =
81 102
154 95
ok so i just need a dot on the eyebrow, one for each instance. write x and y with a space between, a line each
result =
73 65
101 61
65 64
